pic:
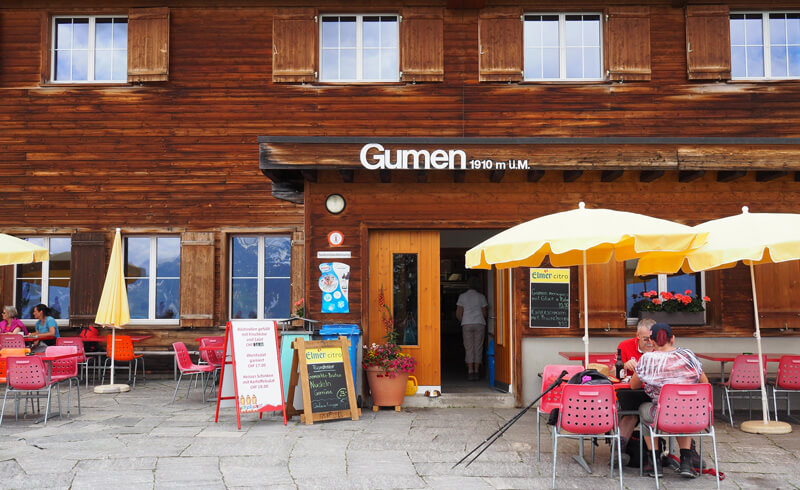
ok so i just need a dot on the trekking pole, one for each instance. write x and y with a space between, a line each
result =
499 432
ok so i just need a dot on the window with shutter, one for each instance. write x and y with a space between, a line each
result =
148 45
778 294
627 43
422 45
708 44
197 279
88 274
500 43
294 35
606 295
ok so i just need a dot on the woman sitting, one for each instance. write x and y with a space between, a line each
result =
45 326
666 364
12 324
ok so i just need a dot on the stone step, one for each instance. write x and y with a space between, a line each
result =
461 400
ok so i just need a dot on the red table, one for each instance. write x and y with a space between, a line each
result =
34 337
723 357
103 338
607 358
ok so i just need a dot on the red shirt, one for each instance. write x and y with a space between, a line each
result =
630 350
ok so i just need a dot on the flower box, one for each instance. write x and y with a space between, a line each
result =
676 317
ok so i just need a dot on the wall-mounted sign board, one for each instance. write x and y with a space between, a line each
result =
323 371
549 307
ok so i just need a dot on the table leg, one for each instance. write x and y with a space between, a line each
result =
580 459
722 371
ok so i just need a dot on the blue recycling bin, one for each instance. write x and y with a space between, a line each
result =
490 355
353 334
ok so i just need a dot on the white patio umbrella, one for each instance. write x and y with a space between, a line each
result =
113 309
580 237
752 238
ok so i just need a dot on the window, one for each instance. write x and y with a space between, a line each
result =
765 45
563 47
152 274
676 283
45 282
89 49
359 48
260 283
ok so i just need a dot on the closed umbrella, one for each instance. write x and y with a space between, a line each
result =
752 238
113 309
580 237
15 250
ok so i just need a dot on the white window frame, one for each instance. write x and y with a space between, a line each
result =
360 49
152 279
91 49
662 287
29 322
562 48
261 278
765 44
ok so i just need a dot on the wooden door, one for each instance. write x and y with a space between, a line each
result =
502 328
404 276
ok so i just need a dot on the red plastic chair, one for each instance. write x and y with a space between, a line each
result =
12 341
684 410
744 380
83 360
62 370
214 357
552 399
186 366
9 352
788 382
588 410
123 352
26 375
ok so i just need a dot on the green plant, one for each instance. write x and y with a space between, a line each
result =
668 301
389 358
300 308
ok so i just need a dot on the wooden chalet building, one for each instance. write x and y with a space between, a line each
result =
243 146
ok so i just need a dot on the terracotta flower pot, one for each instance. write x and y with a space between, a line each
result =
386 391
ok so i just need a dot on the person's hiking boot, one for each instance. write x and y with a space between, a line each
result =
626 458
648 467
686 469
669 462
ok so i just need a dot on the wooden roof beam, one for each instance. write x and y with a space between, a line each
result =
797 176
611 175
690 175
650 175
496 176
347 175
466 4
572 175
310 175
730 175
386 176
459 175
768 175
535 175
422 176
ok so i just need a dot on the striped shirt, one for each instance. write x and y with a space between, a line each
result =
657 368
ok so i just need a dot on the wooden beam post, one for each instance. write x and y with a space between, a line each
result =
572 175
730 175
496 176
650 175
690 175
347 175
611 175
535 175
768 175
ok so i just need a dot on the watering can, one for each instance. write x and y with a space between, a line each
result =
411 386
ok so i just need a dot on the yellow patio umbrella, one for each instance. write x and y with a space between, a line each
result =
752 238
15 250
580 237
113 309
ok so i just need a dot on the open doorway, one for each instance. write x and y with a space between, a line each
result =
455 279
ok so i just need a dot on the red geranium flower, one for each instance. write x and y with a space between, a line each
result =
706 298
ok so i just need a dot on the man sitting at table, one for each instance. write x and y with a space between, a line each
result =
45 325
632 350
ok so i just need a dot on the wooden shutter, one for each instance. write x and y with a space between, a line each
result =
627 43
148 45
88 272
778 294
708 42
606 295
197 279
500 44
294 47
422 45
7 285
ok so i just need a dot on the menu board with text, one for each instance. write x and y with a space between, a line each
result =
549 306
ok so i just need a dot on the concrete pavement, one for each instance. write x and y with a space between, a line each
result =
139 440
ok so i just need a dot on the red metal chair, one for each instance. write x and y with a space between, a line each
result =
588 410
123 352
62 370
683 410
83 360
788 382
215 357
12 341
27 375
744 380
186 366
552 399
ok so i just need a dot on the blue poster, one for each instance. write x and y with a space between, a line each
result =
334 285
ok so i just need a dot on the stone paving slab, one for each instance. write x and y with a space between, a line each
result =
140 440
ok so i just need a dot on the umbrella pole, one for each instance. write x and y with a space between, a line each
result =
764 426
113 349
585 316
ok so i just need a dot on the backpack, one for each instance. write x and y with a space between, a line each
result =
589 377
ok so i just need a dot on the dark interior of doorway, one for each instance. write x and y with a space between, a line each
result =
453 282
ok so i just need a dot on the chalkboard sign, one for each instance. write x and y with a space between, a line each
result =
322 369
549 306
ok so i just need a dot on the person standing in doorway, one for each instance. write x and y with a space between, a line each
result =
471 312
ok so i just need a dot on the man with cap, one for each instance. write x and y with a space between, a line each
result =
666 364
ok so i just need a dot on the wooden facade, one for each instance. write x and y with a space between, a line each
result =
176 149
